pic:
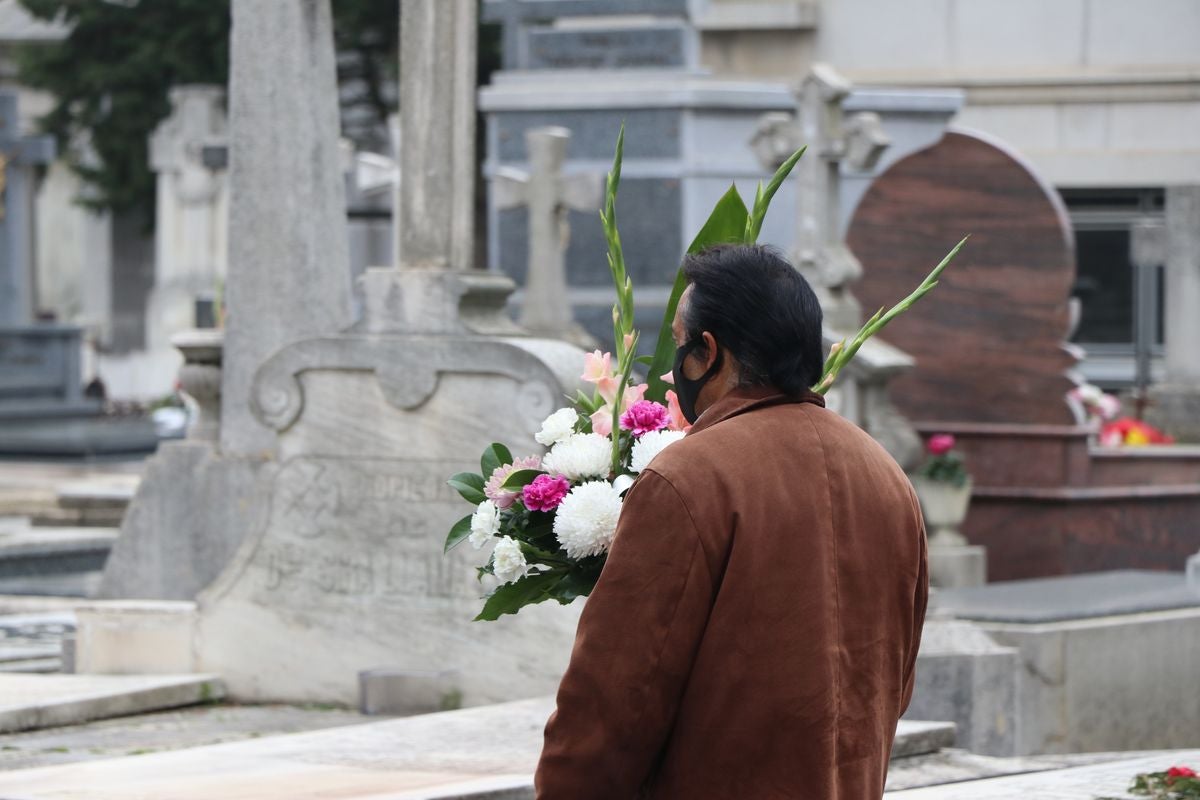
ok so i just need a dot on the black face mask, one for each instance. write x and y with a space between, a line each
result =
688 389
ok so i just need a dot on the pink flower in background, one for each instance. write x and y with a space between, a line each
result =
940 444
645 416
504 498
545 493
677 421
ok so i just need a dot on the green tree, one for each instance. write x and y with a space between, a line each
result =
111 76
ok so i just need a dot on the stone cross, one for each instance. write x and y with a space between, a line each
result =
435 218
289 262
859 142
549 195
17 153
192 212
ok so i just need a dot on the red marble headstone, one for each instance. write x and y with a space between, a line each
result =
989 340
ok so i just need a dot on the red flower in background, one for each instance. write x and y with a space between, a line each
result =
1130 431
1181 772
940 443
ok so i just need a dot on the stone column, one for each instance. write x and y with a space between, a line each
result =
1175 404
289 271
435 217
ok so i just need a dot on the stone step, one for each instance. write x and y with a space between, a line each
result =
32 702
53 561
35 666
919 738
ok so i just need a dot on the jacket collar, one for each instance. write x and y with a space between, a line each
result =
749 398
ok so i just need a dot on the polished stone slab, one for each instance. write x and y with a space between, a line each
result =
1078 783
1070 597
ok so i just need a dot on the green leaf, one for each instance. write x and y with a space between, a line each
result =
762 200
512 597
470 486
520 478
458 534
726 223
494 457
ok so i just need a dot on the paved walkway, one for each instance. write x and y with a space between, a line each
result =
487 752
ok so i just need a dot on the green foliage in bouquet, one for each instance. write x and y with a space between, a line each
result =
552 521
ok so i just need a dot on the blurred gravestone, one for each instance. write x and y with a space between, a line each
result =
989 340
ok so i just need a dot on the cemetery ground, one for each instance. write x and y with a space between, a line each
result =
68 736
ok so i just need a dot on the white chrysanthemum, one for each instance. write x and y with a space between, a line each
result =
586 520
508 561
558 426
650 445
485 523
580 456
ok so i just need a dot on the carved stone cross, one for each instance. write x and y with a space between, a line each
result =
821 254
549 195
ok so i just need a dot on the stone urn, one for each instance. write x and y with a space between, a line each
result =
944 506
200 379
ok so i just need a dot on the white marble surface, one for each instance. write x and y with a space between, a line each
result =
1077 783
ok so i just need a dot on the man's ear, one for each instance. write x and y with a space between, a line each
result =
710 349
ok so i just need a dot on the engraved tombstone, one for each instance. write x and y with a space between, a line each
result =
345 572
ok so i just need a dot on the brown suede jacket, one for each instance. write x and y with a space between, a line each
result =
755 629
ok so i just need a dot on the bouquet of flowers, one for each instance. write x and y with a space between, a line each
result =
1176 783
1102 410
550 520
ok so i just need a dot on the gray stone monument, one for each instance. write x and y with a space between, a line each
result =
1175 404
188 153
549 195
41 392
859 142
343 573
589 66
836 143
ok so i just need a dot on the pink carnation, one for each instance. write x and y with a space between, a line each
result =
645 416
545 493
505 498
940 444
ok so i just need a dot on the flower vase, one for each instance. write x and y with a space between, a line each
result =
944 506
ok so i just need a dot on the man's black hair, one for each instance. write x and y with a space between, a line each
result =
758 307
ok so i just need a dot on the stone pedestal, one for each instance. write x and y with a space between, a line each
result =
964 676
956 566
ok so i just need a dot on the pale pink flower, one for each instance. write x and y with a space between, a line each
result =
667 377
597 366
677 421
628 341
602 421
607 386
645 416
504 498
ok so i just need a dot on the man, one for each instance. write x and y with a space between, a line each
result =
755 629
